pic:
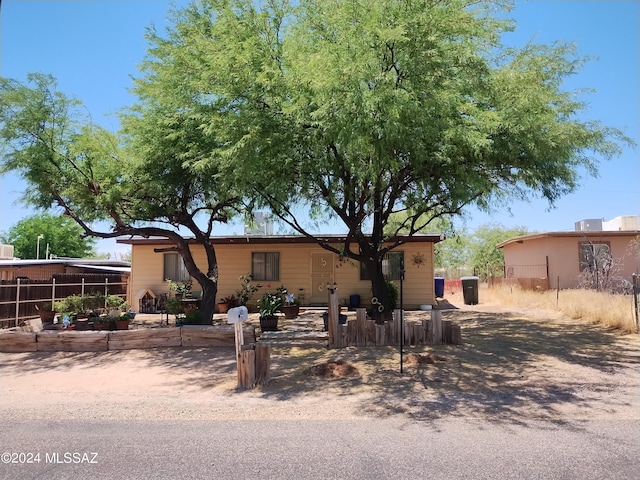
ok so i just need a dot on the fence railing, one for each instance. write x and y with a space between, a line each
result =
18 298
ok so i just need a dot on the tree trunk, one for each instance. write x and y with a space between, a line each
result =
208 303
382 310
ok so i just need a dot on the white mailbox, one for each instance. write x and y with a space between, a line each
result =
237 315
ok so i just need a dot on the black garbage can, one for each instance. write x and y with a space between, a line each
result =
439 286
470 290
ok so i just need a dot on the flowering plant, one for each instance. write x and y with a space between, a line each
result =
289 299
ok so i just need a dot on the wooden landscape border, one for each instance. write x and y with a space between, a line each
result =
101 341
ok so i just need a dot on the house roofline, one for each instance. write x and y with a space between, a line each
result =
71 262
275 239
574 234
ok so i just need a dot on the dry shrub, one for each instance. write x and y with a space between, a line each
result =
333 369
415 359
590 306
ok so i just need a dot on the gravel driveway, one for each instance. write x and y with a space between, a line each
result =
514 367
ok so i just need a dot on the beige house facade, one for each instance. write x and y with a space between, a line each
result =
297 263
558 258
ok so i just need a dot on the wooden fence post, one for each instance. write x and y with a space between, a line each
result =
436 323
333 313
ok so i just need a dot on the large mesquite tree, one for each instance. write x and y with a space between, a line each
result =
140 182
356 111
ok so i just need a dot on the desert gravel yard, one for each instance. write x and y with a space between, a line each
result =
514 367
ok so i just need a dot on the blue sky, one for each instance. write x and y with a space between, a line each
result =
93 48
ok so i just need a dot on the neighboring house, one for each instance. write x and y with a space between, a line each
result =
549 260
45 269
43 280
298 263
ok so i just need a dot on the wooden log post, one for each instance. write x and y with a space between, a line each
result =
352 332
446 332
456 335
428 332
419 333
361 327
263 364
436 321
333 315
247 367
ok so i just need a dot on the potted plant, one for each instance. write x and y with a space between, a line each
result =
115 305
270 305
122 322
291 309
104 323
226 303
47 312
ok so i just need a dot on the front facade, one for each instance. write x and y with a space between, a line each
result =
297 263
561 257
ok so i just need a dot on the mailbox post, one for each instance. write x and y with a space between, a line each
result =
236 316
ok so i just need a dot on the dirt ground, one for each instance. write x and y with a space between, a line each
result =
514 367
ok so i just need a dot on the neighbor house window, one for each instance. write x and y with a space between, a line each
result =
174 268
265 266
391 266
594 257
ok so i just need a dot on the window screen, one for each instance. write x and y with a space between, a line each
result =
390 266
265 266
174 268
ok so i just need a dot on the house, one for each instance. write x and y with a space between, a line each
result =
556 259
298 263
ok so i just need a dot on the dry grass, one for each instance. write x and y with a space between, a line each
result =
614 311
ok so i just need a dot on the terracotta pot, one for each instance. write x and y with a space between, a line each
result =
46 316
122 324
291 311
223 307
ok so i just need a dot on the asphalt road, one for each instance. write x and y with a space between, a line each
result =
453 448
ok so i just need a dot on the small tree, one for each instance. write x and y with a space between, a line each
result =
142 182
59 235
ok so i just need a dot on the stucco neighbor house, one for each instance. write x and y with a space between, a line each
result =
549 260
296 262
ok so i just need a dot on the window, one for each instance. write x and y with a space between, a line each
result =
174 268
594 257
265 266
391 266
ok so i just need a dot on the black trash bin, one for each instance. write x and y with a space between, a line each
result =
439 286
470 290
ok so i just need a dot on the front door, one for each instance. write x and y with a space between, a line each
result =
322 265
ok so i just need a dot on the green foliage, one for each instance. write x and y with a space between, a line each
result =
270 304
368 109
73 304
142 181
247 290
180 288
115 301
174 306
62 235
482 244
392 291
